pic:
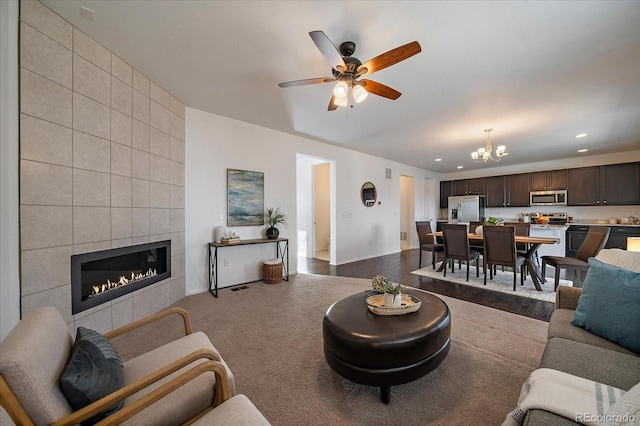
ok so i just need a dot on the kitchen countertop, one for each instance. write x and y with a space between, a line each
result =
589 223
603 224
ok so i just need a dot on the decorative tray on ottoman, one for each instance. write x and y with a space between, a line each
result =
409 304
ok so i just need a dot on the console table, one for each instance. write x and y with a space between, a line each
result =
281 252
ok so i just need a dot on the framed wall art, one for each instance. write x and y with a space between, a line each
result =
245 198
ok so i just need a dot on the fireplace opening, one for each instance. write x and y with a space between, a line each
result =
101 276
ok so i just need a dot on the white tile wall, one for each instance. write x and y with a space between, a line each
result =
91 80
91 153
44 141
102 166
91 189
91 116
45 99
45 56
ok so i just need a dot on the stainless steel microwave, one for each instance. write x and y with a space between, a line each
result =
548 198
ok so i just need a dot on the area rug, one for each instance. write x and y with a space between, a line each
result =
271 337
502 282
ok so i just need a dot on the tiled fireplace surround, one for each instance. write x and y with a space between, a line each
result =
101 166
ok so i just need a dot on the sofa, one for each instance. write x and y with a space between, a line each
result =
578 352
41 377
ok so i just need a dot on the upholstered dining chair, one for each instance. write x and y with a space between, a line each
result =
595 241
500 249
522 229
456 247
428 243
475 245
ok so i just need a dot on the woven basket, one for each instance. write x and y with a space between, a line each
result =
272 272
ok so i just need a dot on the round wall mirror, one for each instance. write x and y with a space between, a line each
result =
368 194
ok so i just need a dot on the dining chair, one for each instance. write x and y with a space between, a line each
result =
475 245
595 241
456 247
500 249
428 243
523 229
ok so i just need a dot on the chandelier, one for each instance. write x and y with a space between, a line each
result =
483 155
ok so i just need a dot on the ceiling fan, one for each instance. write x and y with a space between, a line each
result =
347 70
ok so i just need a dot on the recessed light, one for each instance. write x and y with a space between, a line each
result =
438 159
581 135
460 167
583 150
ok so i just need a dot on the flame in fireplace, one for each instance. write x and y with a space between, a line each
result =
101 288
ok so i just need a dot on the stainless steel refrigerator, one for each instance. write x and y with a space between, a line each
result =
466 208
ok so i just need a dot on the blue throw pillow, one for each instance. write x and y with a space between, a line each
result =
93 372
609 305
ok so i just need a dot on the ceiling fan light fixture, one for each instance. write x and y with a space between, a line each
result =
359 93
340 90
340 101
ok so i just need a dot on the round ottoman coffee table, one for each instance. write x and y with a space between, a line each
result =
385 350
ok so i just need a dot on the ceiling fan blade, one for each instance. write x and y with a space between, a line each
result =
306 82
332 105
389 58
380 89
328 50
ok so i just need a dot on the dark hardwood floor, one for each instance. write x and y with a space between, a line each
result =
398 266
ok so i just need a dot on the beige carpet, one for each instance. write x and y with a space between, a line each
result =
271 337
502 282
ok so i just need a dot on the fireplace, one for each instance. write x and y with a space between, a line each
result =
101 276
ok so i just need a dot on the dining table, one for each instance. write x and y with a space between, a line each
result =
533 243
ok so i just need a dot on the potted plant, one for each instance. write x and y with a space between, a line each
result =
392 292
274 217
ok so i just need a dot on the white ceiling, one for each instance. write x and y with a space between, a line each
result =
537 72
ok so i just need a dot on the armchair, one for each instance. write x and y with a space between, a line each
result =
36 352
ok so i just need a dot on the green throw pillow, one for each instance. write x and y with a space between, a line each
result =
609 305
93 372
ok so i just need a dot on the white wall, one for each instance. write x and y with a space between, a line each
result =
9 248
215 143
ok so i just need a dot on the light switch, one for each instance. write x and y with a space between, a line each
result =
220 216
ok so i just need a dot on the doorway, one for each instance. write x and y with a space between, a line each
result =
322 211
315 187
407 211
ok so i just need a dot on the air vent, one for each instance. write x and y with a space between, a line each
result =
403 236
387 173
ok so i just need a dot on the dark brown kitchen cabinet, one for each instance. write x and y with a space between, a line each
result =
620 184
610 185
517 190
507 191
494 191
445 193
618 235
549 180
468 186
584 186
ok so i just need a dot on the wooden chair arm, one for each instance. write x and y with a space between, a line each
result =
152 318
222 393
12 406
111 399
